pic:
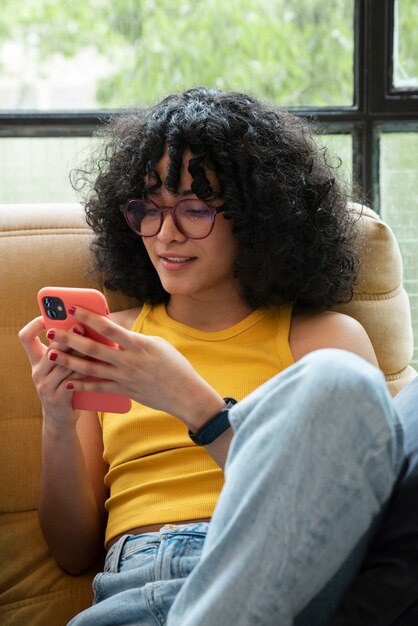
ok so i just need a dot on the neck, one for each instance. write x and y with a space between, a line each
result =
206 314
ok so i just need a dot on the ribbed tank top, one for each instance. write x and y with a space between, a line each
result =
156 474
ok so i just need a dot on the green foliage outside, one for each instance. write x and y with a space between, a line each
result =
406 48
297 53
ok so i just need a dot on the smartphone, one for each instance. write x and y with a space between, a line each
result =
54 302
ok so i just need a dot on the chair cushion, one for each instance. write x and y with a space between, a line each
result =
40 245
380 301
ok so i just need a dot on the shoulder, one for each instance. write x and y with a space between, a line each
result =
126 318
312 330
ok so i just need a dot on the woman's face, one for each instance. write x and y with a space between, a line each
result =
196 268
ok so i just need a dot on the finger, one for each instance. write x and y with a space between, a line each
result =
42 370
29 337
55 392
72 342
81 365
102 325
77 329
55 377
54 335
94 386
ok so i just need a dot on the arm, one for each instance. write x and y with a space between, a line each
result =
71 508
328 329
72 497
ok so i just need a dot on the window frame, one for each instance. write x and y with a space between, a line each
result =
377 106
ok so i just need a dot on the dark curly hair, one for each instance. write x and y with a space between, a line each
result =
290 218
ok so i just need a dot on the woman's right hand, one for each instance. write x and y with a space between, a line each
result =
49 378
72 491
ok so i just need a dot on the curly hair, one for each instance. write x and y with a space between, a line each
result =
293 230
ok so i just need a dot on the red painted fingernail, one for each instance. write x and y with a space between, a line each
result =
71 310
53 356
50 334
77 331
70 386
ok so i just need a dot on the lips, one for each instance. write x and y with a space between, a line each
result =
174 262
177 259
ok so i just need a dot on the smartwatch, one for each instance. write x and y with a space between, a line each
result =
213 427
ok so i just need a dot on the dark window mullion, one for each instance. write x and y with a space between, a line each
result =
384 98
361 170
377 58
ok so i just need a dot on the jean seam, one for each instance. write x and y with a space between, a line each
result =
158 616
114 555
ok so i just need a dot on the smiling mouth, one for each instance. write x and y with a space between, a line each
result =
176 259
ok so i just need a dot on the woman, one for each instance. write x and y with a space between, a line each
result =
222 217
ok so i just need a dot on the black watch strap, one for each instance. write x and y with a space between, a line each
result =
214 427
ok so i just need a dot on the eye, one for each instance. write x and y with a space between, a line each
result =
195 210
150 211
198 213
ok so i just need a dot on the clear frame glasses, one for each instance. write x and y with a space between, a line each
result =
192 217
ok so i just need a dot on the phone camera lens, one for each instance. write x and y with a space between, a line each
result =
54 308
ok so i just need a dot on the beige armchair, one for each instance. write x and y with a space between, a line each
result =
48 245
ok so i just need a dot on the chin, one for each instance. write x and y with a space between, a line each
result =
176 289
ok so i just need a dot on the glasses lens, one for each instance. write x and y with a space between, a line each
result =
143 217
195 218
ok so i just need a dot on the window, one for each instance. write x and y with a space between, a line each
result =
350 64
102 54
64 64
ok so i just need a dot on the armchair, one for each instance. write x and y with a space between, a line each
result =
48 244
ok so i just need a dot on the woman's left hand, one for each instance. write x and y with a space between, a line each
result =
147 369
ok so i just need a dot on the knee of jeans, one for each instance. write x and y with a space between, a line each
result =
334 369
348 395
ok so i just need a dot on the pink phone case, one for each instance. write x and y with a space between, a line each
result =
54 302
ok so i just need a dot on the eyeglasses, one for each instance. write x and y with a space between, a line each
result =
192 217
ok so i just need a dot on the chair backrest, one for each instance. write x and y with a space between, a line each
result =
381 303
39 245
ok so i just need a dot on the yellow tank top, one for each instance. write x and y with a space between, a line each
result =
156 474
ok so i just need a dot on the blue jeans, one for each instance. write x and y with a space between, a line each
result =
142 576
315 454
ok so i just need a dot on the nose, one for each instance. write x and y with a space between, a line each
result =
169 231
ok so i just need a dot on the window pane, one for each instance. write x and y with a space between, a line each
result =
37 170
406 45
340 149
69 54
398 175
